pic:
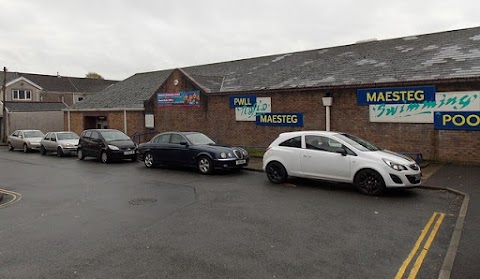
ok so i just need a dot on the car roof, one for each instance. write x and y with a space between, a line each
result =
312 132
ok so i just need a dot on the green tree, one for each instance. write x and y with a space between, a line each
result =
93 75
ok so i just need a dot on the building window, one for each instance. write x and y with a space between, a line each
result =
22 94
80 99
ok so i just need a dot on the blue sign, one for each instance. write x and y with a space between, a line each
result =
243 101
395 95
280 119
179 99
451 120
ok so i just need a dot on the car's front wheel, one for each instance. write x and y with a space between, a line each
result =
80 154
276 172
104 157
25 148
369 182
205 165
59 152
10 146
148 160
43 151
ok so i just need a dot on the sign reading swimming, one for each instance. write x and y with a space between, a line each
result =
395 95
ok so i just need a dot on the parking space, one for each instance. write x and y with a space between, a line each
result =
88 219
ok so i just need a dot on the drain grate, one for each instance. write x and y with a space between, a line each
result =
142 201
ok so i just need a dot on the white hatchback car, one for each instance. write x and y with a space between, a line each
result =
339 157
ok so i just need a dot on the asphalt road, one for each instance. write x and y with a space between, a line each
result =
89 220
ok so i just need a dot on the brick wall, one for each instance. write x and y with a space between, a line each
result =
215 118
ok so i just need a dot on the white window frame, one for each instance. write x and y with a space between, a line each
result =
17 93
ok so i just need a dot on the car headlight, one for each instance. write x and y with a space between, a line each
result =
223 155
244 152
395 166
113 147
68 145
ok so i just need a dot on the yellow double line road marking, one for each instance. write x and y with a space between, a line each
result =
16 197
421 256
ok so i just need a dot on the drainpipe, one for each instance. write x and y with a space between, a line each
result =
125 121
327 103
68 120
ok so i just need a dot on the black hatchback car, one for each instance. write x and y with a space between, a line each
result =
191 149
106 145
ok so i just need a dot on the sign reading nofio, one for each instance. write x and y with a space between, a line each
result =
395 95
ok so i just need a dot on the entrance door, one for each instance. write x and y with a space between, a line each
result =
101 122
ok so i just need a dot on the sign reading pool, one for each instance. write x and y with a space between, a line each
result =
395 95
280 119
451 120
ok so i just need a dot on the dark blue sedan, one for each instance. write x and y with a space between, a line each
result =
191 149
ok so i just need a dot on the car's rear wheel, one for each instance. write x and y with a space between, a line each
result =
25 148
43 151
369 182
104 157
80 154
276 172
10 146
148 160
59 152
205 165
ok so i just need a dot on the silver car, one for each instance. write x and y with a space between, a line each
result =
63 143
25 139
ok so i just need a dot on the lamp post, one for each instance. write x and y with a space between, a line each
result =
327 103
4 116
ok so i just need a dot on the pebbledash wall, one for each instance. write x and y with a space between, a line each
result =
214 116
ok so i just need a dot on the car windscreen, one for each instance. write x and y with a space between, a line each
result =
67 136
114 135
33 134
358 143
198 138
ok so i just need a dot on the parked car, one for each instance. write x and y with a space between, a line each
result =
106 145
339 157
63 143
191 149
25 139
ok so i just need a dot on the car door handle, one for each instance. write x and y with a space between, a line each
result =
307 156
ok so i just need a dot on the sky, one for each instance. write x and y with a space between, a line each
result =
118 38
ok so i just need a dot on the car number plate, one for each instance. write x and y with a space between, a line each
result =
241 162
131 152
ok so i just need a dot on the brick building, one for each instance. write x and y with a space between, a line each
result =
227 100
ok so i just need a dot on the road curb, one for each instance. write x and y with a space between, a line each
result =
447 265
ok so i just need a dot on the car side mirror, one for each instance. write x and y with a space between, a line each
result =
54 139
342 151
184 143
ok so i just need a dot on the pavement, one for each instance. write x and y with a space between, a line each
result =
463 254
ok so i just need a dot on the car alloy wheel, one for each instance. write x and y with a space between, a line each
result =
104 157
276 172
43 151
205 165
369 182
59 152
80 154
10 146
148 160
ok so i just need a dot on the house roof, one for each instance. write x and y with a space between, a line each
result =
34 106
129 93
63 84
431 57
